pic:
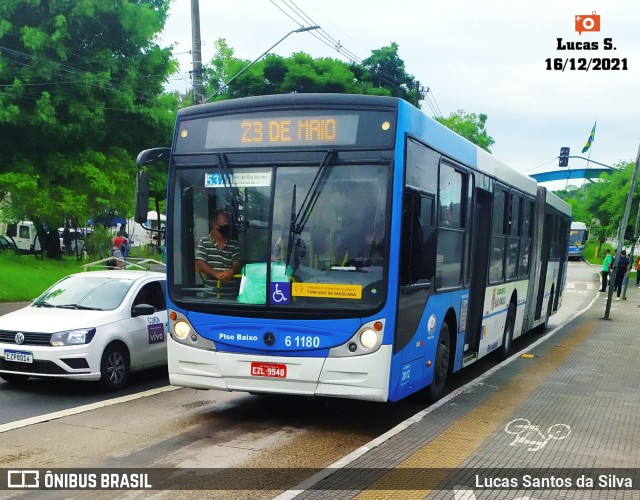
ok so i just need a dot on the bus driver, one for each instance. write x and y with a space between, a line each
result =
218 256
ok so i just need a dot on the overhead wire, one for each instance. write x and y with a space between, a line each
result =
300 17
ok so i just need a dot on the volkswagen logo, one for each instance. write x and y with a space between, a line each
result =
19 338
269 338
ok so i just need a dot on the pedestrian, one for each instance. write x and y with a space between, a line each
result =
638 272
66 239
606 269
623 265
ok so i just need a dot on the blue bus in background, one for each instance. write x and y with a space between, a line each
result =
380 251
578 235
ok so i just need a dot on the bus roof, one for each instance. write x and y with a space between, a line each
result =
578 225
283 100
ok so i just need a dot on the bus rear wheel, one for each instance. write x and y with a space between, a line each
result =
441 365
507 339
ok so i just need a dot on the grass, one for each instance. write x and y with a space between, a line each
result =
23 277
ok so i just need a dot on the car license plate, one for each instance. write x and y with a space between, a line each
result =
268 370
19 356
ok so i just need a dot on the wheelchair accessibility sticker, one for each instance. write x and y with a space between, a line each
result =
280 293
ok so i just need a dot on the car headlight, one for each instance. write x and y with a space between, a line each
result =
73 337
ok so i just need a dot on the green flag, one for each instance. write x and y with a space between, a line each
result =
592 136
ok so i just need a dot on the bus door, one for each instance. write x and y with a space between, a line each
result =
481 239
544 262
417 270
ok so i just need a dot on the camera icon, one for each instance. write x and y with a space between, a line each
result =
587 22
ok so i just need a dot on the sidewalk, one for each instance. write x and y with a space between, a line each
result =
563 414
6 307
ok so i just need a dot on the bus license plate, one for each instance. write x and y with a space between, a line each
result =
268 370
19 356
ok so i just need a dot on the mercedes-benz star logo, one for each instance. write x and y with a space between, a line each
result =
269 338
19 338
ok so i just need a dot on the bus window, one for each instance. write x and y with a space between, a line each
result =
451 212
417 260
513 242
498 239
525 243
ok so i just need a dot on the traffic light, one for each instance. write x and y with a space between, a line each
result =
564 157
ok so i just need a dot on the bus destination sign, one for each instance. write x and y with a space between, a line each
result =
279 131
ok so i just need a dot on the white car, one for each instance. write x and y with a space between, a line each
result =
98 325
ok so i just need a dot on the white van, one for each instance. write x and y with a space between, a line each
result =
24 236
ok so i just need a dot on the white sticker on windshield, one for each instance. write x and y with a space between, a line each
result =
239 179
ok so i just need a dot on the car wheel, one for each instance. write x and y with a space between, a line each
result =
441 365
114 367
12 378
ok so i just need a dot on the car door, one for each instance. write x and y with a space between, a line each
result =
149 335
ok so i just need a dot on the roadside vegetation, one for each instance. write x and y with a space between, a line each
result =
24 277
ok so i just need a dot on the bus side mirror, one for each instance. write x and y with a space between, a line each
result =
146 157
151 156
142 197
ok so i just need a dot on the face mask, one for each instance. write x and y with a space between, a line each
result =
224 230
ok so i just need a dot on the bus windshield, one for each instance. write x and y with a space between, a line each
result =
577 237
308 235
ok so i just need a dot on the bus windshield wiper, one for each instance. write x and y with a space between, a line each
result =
227 180
309 202
299 220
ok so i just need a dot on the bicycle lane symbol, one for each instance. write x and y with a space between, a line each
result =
526 435
532 436
280 293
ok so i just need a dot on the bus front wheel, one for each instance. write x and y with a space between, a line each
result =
441 365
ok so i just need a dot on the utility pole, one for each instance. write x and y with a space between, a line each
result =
196 52
635 236
621 231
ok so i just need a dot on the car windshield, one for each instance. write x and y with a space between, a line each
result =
321 227
86 292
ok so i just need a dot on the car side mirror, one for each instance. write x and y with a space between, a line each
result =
142 310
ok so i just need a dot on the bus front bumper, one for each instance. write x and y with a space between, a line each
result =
363 377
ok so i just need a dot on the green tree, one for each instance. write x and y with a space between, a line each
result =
386 70
470 126
81 92
274 74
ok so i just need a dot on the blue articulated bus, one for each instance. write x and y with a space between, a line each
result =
578 235
378 251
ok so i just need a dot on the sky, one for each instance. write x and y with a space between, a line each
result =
481 57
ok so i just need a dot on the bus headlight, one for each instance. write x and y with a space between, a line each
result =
183 332
182 329
368 338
